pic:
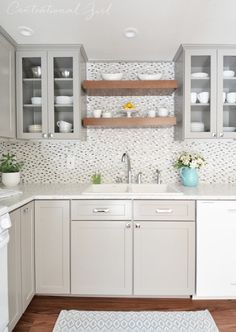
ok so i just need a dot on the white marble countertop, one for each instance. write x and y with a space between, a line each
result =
75 191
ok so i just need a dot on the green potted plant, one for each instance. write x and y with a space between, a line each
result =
10 169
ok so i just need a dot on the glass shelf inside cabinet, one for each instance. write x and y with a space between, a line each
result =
32 95
63 94
200 93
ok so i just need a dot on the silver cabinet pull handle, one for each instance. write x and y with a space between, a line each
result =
44 135
137 226
221 135
50 135
96 210
128 225
164 210
213 134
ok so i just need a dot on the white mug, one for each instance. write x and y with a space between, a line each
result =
231 97
224 97
162 111
151 113
64 127
106 114
97 113
203 97
193 97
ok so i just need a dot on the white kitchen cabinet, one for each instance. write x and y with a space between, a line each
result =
14 270
21 262
164 258
216 249
52 261
7 90
101 257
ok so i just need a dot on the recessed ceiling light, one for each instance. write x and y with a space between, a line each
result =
130 32
25 31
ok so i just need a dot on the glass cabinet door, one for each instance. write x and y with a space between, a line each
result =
227 93
200 94
32 94
63 94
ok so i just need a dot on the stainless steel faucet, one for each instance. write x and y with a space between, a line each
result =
126 158
159 181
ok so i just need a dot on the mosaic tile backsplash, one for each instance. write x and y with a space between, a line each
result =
149 149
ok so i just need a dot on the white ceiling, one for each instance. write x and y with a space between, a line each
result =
99 24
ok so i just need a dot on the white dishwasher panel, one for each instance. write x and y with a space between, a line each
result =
216 249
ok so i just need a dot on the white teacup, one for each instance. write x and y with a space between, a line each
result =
193 97
64 127
97 113
224 97
203 97
231 97
162 111
151 113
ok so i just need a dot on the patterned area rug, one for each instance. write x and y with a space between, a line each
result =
143 321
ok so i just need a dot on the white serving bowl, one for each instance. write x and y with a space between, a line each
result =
151 77
36 100
229 129
228 73
199 75
112 77
63 100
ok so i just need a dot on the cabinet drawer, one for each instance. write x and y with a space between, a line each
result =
164 210
100 210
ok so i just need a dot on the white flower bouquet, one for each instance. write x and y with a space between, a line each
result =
191 160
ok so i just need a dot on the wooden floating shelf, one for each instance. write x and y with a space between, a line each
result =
129 122
129 88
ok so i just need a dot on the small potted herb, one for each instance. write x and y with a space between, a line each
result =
10 169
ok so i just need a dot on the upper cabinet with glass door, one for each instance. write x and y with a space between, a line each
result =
195 102
49 100
227 93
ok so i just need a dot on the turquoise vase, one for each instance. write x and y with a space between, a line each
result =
189 176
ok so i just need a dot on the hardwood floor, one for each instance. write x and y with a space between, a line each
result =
42 312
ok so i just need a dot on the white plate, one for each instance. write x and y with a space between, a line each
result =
145 77
112 77
229 129
199 75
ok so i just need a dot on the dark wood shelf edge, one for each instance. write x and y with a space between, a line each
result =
129 122
134 84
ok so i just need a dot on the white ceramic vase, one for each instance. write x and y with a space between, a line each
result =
11 179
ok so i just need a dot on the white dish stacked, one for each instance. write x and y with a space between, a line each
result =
197 126
229 129
64 100
35 128
112 77
148 76
36 100
199 75
228 73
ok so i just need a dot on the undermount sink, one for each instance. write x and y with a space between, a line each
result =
162 189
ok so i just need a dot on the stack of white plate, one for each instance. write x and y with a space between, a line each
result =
199 75
197 126
64 100
230 129
35 128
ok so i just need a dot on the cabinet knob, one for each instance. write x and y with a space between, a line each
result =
128 225
101 210
44 135
221 134
137 226
50 135
213 134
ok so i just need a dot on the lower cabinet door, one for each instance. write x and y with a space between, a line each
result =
164 258
101 257
27 254
52 264
14 270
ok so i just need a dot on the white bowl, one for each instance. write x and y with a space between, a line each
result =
197 126
112 77
229 129
64 100
36 100
35 128
151 77
199 75
228 73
